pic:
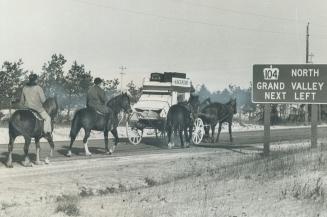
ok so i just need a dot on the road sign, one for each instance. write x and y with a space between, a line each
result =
295 83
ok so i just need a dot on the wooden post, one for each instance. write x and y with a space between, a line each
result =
314 120
266 130
306 114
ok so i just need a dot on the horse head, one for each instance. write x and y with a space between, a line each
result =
51 106
194 102
126 103
233 105
120 102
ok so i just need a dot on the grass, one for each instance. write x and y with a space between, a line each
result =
68 204
150 181
5 205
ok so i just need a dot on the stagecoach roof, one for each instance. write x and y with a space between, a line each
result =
177 85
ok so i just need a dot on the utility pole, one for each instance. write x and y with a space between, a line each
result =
306 114
122 68
314 107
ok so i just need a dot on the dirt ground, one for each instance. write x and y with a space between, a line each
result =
184 182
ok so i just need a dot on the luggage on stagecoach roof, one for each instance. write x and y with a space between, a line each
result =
166 76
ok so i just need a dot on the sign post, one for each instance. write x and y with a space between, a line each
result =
266 129
314 123
292 84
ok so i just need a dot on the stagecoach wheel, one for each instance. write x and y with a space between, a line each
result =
134 134
198 131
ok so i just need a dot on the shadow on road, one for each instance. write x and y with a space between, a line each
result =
16 157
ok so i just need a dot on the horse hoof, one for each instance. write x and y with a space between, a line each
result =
9 165
38 163
171 145
69 154
88 154
27 164
47 161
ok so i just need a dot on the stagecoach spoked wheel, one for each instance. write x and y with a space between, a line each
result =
198 131
133 134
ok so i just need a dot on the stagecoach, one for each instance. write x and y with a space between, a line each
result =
159 92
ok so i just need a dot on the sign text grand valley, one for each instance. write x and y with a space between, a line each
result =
304 83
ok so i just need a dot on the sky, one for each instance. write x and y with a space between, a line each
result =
214 42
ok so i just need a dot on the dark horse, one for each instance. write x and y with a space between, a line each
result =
218 112
25 123
180 118
89 119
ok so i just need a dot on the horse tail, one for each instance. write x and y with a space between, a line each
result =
75 126
13 127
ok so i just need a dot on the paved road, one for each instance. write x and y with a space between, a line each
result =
152 145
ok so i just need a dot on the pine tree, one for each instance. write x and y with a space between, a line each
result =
12 76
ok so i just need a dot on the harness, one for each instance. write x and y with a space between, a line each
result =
209 116
34 112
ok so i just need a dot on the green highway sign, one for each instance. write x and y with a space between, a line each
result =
295 83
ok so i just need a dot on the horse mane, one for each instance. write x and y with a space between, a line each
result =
112 100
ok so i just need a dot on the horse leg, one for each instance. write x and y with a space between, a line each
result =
51 143
187 139
72 140
10 149
86 136
37 144
169 132
106 141
27 162
230 132
219 129
75 128
115 134
181 136
206 132
190 131
213 126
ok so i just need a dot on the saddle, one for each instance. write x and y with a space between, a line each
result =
35 113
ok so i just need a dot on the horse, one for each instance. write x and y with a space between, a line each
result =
218 112
205 103
180 118
24 122
89 119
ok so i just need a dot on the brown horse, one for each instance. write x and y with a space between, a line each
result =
218 112
25 123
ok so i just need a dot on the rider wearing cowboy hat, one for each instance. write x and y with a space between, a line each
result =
33 98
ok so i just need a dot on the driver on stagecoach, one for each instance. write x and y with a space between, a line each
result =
33 98
96 97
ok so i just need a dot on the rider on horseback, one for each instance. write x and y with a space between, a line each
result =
33 98
96 97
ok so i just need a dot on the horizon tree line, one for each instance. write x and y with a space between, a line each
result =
71 86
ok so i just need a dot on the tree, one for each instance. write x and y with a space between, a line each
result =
11 76
52 77
203 92
134 91
77 82
111 86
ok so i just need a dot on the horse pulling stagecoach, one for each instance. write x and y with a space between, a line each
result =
160 92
